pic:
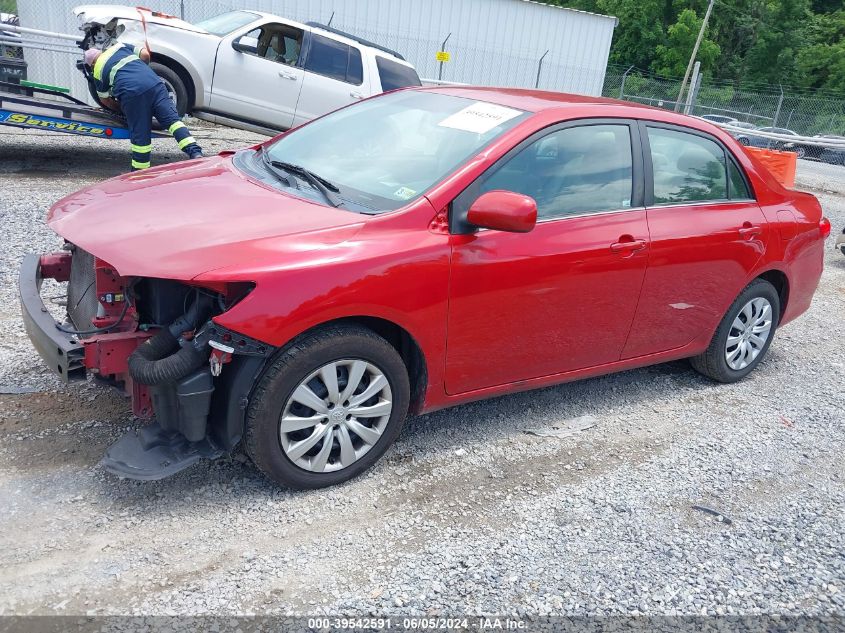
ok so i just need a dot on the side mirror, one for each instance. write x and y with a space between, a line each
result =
239 46
504 211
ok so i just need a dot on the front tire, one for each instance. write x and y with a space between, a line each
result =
743 336
175 86
327 408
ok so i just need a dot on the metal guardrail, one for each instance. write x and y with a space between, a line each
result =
21 37
786 138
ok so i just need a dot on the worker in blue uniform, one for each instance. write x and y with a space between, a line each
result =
124 82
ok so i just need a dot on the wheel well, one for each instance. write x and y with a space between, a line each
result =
403 343
778 279
184 75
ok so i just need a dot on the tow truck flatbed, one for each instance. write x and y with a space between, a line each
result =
63 113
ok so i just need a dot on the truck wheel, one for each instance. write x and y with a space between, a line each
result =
175 86
327 408
743 336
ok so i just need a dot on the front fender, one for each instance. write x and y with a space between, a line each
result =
194 52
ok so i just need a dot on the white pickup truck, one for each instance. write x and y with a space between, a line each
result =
250 69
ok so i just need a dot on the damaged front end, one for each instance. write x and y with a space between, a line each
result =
156 340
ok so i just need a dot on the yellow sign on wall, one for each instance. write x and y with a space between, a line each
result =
442 56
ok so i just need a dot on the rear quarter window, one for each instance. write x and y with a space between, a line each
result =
393 75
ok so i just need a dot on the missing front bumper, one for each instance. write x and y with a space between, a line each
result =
62 352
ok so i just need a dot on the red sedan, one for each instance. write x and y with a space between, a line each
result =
414 251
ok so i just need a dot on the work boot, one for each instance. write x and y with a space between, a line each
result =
195 153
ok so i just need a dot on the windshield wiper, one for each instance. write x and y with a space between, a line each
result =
325 187
288 182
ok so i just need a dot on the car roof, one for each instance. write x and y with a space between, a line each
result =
580 106
541 100
531 100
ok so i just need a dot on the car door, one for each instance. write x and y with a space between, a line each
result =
707 234
333 77
563 296
257 76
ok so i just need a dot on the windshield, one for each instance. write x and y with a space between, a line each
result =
225 23
384 152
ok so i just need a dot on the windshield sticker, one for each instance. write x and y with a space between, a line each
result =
403 193
480 117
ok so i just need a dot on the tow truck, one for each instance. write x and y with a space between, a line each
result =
41 107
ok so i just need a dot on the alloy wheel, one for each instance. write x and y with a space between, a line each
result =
171 92
335 415
749 333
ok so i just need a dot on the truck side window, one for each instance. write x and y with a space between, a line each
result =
335 59
395 75
275 42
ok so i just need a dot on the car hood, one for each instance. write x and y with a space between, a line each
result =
180 221
104 13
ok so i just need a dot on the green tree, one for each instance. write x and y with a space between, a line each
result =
821 63
672 57
640 30
8 6
772 58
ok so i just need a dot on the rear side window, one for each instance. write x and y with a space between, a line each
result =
686 167
395 75
335 59
738 186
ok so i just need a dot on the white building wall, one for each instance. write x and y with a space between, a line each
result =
492 42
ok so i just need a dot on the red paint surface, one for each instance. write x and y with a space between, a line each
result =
491 312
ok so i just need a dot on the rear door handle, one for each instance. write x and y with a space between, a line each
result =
287 75
748 230
627 245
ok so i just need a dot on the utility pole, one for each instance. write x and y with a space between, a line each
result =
693 86
694 53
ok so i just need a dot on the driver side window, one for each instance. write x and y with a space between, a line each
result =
275 42
584 169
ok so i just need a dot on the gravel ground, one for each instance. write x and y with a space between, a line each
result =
467 513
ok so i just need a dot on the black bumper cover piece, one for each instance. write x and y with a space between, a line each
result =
154 453
61 351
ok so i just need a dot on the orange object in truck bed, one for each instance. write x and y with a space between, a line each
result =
781 164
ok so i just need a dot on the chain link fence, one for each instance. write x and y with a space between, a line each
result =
767 106
566 53
567 50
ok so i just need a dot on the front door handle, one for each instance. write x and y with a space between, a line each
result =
748 230
627 244
356 95
287 75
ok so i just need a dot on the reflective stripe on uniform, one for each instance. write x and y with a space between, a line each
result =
103 95
119 65
139 165
186 141
178 125
103 59
142 149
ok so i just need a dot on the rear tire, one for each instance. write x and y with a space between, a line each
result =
350 439
728 361
175 86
